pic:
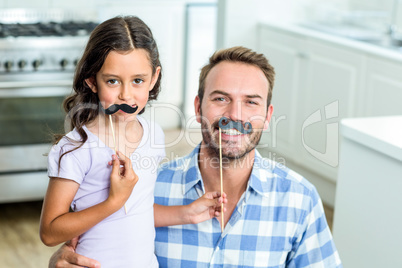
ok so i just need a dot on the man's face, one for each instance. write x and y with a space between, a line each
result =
239 92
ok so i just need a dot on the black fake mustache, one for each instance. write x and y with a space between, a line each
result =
226 123
124 107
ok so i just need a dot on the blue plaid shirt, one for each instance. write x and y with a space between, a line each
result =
278 222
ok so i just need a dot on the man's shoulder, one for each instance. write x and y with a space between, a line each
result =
283 176
176 164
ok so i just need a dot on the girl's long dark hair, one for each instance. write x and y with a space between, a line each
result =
121 34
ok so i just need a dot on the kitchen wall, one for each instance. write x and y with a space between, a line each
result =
237 19
393 8
200 44
377 14
371 4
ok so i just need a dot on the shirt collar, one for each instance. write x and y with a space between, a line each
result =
261 174
258 181
192 174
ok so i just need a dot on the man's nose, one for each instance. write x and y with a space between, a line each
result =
234 111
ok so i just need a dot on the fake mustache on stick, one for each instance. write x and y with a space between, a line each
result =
124 107
226 123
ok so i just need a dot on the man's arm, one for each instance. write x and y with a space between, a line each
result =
314 245
67 258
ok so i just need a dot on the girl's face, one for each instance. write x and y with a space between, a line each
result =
125 77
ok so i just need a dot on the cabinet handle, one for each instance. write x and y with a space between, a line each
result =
303 55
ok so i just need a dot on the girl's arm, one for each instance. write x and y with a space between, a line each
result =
58 225
202 209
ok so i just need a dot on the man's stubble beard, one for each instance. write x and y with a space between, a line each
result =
212 146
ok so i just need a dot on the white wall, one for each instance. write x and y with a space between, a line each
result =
200 45
237 19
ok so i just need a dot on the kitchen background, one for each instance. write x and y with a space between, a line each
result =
334 59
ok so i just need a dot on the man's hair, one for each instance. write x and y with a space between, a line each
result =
242 55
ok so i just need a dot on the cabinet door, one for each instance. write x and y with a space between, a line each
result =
283 52
333 75
383 89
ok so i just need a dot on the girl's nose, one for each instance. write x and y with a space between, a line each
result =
125 92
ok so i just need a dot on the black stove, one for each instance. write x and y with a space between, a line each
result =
40 42
70 28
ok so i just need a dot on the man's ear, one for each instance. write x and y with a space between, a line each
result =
269 116
92 84
197 108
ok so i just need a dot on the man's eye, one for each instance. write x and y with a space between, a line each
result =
220 99
252 102
138 81
112 81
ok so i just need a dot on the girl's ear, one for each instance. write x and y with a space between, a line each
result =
155 78
91 83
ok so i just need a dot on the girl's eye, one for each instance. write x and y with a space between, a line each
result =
138 81
112 81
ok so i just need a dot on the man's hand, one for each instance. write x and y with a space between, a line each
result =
67 258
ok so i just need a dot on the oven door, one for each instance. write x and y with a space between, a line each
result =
30 113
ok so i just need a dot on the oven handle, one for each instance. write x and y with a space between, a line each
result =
35 89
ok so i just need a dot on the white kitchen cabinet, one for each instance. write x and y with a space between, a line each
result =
368 216
326 95
284 53
315 87
383 88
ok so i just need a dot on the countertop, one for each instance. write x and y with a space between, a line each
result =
361 46
383 134
367 215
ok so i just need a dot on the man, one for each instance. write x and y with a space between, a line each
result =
274 217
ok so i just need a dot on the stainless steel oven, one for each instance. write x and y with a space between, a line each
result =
37 63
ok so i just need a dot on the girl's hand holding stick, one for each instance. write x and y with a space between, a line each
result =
122 180
115 147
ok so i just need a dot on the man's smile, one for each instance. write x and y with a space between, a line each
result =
231 132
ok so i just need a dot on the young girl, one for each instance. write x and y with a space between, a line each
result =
114 219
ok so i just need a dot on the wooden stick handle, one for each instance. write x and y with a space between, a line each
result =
221 178
114 138
115 148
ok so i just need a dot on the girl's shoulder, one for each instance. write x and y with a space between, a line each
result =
69 158
151 128
73 139
153 140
